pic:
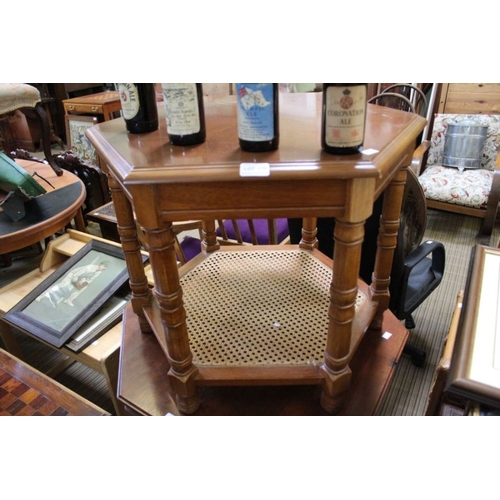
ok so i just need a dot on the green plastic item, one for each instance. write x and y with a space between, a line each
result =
15 178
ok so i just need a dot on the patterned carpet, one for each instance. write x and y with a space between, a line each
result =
409 389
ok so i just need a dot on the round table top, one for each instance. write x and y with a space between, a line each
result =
45 214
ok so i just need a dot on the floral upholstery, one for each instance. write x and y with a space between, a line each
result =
470 187
17 95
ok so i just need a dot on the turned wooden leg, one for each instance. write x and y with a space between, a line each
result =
209 241
343 293
309 238
174 335
386 244
127 230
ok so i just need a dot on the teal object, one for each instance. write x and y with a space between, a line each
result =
15 178
18 185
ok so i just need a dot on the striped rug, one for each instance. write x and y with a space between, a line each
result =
409 389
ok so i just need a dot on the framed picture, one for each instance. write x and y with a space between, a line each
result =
76 126
57 308
475 363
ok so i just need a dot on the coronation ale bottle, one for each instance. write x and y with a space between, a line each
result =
258 116
185 113
343 117
139 107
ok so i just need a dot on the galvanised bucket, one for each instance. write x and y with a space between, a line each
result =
464 144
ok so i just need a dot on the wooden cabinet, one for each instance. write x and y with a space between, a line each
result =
470 98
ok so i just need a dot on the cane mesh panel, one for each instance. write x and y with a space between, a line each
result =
258 308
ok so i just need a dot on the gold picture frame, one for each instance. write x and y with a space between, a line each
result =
76 139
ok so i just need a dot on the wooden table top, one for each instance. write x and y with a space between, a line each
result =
107 97
46 214
25 391
136 159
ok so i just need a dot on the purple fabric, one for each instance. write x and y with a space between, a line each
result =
260 230
191 247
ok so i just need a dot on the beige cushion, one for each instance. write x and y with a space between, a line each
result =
469 188
17 95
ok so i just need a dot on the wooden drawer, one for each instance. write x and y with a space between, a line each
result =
83 108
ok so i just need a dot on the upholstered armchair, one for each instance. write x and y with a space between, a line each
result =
474 192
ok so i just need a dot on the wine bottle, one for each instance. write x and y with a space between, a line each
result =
139 107
185 113
343 117
258 116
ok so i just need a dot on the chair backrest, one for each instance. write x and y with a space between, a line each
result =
437 140
413 93
394 101
94 179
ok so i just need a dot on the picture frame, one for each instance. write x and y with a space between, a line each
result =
475 364
60 305
77 141
108 315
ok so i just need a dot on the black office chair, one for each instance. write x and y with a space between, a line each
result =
417 268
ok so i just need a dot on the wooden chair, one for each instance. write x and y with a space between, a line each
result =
393 100
232 232
414 94
26 98
94 179
474 192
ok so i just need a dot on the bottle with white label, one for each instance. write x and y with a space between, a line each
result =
343 117
139 108
185 113
258 116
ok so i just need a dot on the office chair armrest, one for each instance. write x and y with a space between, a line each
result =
423 251
421 275
418 157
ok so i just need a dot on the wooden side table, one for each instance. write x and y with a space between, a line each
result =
160 183
104 104
103 355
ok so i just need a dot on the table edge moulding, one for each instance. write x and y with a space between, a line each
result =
46 214
161 183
